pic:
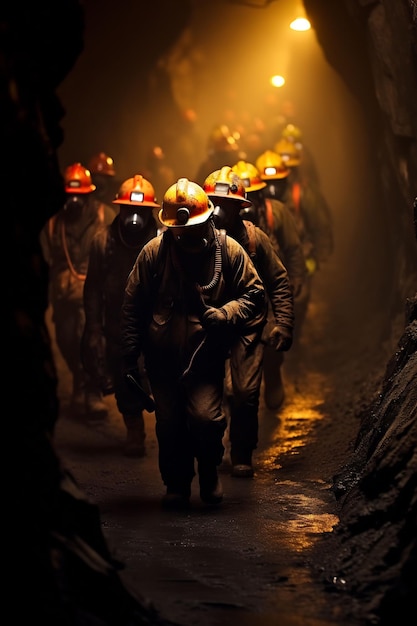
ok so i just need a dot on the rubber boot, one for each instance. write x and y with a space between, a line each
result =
135 435
211 489
242 464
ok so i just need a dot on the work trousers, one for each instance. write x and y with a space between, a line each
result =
190 424
243 391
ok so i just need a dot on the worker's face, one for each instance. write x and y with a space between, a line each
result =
191 239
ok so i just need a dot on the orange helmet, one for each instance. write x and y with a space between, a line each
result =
185 204
78 179
136 191
221 139
101 163
249 175
289 152
271 165
225 183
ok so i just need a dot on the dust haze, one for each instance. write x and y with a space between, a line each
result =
219 69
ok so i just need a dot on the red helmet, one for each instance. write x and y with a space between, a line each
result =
78 179
185 204
101 163
136 191
225 183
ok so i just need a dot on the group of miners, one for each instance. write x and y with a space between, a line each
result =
187 306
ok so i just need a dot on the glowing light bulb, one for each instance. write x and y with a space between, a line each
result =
300 24
277 81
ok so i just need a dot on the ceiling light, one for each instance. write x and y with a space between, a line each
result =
300 24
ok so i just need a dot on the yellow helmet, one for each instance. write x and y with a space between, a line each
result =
249 175
225 183
185 204
288 151
271 165
293 133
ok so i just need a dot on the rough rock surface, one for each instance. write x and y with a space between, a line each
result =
372 553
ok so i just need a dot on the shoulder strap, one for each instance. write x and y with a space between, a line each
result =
250 229
269 214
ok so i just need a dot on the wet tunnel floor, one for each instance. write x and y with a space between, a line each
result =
250 560
245 562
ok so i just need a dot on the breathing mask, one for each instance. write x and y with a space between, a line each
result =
219 217
134 222
191 239
74 206
276 188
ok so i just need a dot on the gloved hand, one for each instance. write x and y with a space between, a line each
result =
280 338
214 318
132 377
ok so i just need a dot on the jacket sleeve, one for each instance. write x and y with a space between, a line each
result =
276 281
247 308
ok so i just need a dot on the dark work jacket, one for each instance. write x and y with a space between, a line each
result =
66 247
277 221
272 273
162 308
110 262
312 216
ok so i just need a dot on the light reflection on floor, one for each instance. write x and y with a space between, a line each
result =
287 430
283 434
